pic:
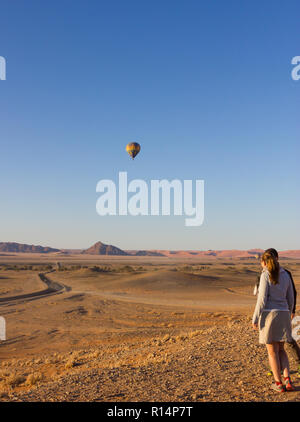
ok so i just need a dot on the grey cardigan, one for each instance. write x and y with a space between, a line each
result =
271 297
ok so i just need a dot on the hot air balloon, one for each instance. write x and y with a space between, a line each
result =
133 148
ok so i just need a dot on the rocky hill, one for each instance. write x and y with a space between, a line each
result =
100 248
23 248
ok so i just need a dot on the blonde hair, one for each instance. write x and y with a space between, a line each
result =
272 265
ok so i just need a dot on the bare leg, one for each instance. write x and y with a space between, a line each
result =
273 352
284 361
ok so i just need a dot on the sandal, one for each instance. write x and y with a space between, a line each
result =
278 387
288 384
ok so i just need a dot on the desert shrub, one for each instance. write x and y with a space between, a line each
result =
102 269
71 267
71 363
187 268
14 380
8 268
43 268
126 269
32 379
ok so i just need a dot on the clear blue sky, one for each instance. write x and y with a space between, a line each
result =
204 86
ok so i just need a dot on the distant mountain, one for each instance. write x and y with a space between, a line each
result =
23 248
230 253
100 248
290 254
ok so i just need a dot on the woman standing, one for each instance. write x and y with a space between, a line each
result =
272 315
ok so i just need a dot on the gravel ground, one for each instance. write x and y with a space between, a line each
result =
220 363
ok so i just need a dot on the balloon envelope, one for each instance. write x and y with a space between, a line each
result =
133 148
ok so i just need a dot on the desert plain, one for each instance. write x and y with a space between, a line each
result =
133 328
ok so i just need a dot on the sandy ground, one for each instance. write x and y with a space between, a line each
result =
141 330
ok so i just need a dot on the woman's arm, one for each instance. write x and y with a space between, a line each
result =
290 297
262 296
294 291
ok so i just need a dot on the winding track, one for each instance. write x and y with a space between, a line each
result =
53 288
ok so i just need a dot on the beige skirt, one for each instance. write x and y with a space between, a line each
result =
275 326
